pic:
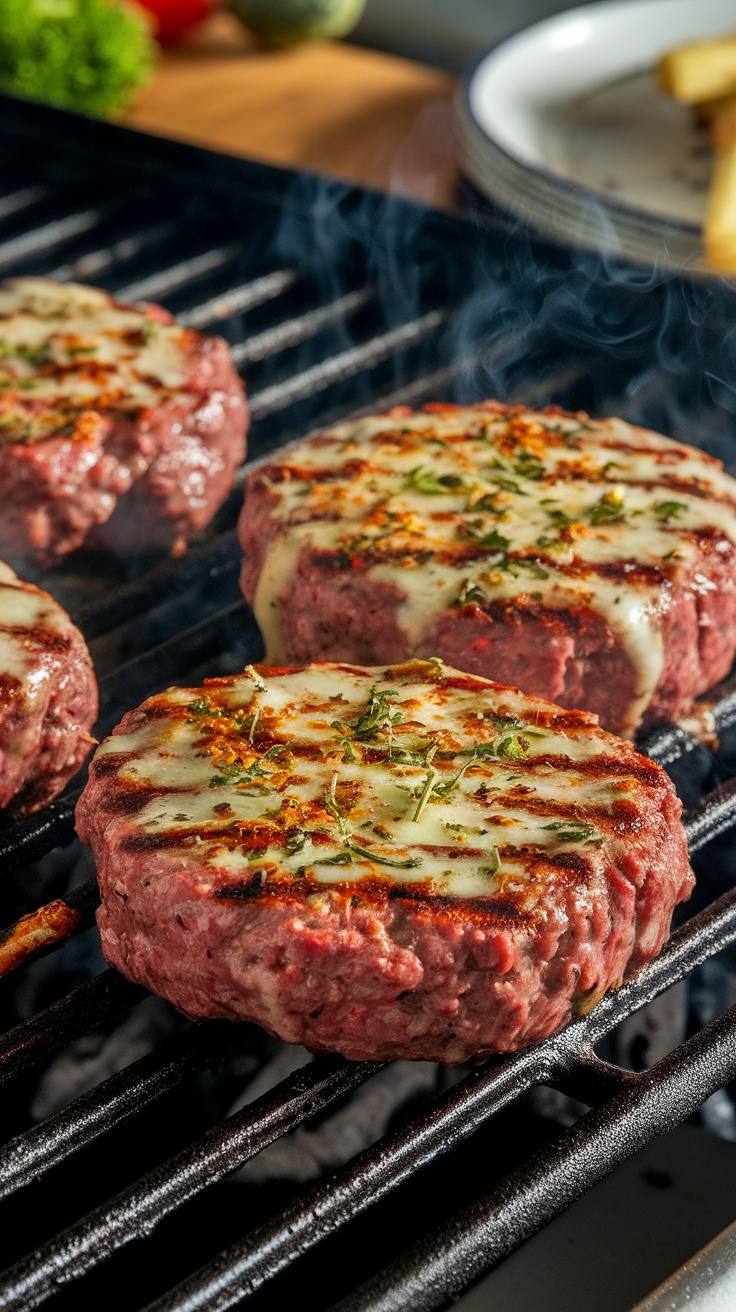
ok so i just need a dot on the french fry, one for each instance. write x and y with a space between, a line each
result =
719 228
699 71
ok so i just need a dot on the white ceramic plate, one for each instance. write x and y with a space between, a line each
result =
563 126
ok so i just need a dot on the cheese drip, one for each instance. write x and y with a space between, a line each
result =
481 505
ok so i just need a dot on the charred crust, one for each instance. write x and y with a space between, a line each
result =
127 796
10 688
110 763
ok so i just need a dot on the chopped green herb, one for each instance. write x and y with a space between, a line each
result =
237 773
425 794
506 484
666 510
512 748
609 509
330 802
426 482
573 831
495 865
533 567
559 519
339 859
408 863
494 540
470 592
294 842
205 710
378 714
527 466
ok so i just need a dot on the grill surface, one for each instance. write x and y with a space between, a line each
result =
335 302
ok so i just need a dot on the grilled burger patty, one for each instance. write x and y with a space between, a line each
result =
118 427
402 862
48 695
591 563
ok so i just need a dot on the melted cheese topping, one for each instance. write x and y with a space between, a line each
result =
466 507
65 348
26 615
415 778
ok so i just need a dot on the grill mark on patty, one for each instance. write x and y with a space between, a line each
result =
247 835
111 762
284 473
491 910
345 558
131 796
35 634
609 443
620 816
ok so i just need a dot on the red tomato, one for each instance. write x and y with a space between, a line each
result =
175 17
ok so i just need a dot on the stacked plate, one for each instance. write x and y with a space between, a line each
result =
563 128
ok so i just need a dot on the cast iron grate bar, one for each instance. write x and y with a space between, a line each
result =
239 299
150 669
50 1030
261 346
123 1096
177 275
33 836
338 368
15 201
135 1211
202 561
246 1266
93 263
46 237
439 1268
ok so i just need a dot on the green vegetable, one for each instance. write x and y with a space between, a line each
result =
286 22
88 55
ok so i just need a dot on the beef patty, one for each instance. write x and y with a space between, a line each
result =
48 695
118 427
588 562
402 862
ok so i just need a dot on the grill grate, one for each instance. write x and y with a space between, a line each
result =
337 302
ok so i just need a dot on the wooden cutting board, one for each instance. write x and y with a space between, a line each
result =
356 114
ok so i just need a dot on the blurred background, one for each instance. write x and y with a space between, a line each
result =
446 35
